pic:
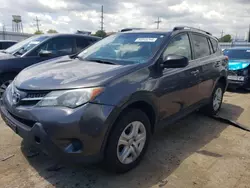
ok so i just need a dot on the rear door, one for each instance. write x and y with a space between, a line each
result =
178 86
207 58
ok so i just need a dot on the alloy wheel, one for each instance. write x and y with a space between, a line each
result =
217 99
131 142
4 86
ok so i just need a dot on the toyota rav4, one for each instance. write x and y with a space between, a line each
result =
105 103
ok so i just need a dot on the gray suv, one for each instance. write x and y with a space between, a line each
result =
105 103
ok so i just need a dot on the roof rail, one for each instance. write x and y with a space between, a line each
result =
130 29
190 28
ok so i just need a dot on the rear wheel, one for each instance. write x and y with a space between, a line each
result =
128 141
215 101
5 81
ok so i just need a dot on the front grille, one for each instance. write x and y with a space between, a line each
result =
35 95
27 122
32 98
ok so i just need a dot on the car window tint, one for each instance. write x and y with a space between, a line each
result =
58 46
214 44
81 43
180 45
6 45
1 47
201 47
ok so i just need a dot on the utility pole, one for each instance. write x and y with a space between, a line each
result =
248 40
102 19
158 22
37 23
3 32
236 36
222 33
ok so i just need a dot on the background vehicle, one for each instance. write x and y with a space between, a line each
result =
239 69
106 103
4 44
36 49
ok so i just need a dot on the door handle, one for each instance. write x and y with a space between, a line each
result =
195 72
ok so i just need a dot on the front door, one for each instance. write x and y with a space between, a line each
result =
178 87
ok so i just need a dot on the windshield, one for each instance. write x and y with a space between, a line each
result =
25 45
237 54
124 48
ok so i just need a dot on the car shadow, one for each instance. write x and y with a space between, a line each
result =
238 90
168 149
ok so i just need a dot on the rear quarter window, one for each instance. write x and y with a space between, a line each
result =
214 44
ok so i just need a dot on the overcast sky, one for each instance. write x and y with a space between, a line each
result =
231 16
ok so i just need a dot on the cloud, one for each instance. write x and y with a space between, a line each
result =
231 16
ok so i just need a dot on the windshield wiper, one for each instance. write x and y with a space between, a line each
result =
102 61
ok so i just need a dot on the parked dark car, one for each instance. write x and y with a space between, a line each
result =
105 104
4 44
36 49
239 69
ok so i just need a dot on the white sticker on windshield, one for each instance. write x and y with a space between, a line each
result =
34 42
145 39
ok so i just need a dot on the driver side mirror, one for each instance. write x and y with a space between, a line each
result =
174 61
45 53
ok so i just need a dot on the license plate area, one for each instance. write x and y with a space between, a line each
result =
236 78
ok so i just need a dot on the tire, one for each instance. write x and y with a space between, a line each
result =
115 150
5 80
211 108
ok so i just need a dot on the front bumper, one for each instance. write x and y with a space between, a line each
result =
238 83
69 135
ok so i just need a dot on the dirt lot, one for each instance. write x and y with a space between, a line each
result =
194 152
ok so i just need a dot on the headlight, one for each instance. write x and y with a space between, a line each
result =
70 98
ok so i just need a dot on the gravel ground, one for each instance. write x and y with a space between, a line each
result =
197 151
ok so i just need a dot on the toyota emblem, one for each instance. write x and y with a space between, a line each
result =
16 97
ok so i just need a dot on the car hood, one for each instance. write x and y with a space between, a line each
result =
237 64
4 56
66 73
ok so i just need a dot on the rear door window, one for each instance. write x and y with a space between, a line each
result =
82 43
201 46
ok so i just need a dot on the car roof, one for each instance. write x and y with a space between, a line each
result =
162 31
157 31
72 35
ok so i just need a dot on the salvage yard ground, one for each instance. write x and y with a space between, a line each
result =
197 151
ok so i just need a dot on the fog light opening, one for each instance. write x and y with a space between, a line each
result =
74 147
37 140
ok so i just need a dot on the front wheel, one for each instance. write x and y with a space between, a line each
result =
5 82
215 101
128 141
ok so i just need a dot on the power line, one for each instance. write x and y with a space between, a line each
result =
158 22
37 23
102 22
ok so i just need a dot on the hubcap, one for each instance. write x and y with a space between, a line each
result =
4 86
131 142
217 99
